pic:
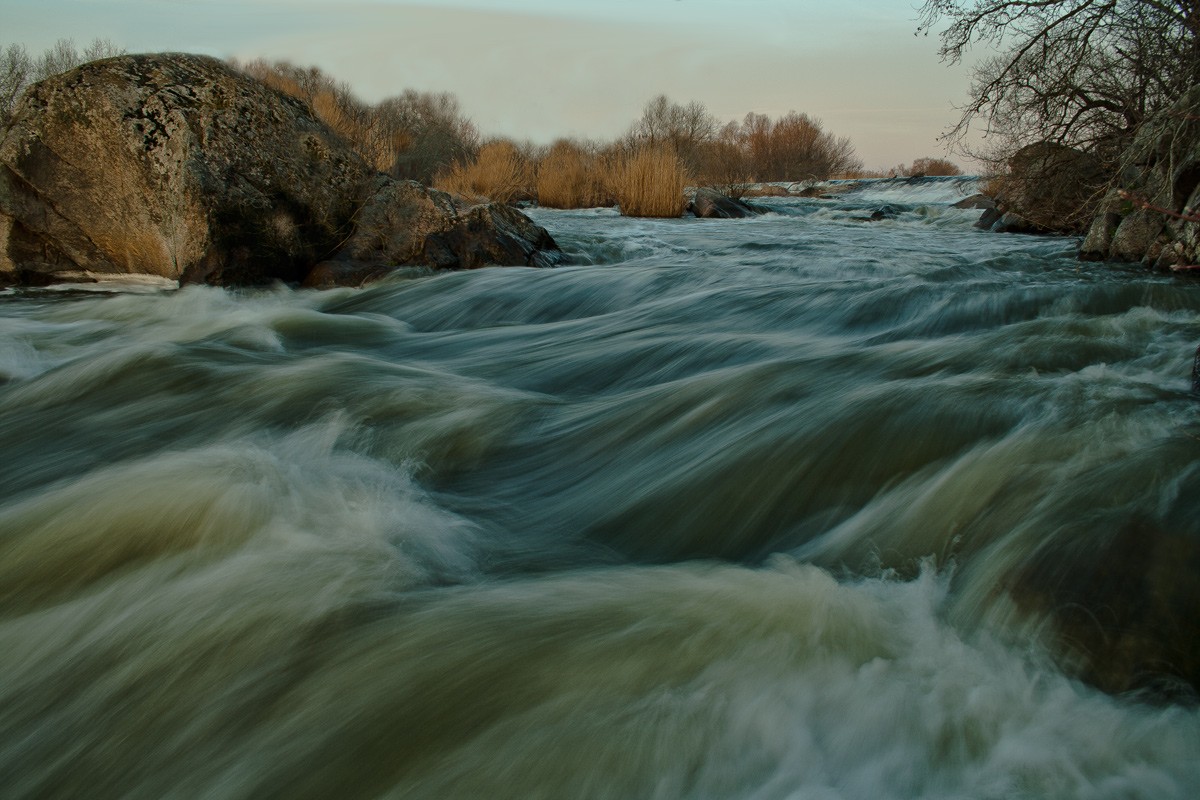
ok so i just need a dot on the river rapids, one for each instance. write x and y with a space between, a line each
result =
799 506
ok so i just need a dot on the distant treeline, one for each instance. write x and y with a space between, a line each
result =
426 137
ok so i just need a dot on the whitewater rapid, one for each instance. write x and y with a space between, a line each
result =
786 507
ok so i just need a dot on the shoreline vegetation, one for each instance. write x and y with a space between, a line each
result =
426 137
1091 114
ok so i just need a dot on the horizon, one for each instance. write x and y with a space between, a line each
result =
583 70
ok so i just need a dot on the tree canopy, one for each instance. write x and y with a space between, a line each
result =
1085 73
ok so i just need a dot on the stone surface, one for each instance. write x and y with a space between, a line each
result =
181 167
989 218
979 201
711 204
1160 169
1049 188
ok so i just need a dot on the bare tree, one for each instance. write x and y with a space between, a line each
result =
430 131
933 166
414 135
793 147
1084 73
18 69
686 128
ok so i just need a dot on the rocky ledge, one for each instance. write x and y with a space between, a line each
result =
179 166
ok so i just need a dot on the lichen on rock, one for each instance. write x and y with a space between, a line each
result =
180 166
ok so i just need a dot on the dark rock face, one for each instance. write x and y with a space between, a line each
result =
711 204
1050 188
1162 168
979 201
989 218
491 234
181 167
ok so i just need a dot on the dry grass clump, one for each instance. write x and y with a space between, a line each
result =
649 183
572 175
500 174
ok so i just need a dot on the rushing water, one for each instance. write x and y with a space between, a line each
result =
799 506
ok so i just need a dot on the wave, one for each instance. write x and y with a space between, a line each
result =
793 505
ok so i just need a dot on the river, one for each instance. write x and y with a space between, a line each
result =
799 506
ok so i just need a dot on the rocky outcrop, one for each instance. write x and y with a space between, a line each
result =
1144 215
975 201
1049 188
404 224
181 167
711 204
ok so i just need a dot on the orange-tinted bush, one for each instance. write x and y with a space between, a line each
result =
500 174
649 182
572 175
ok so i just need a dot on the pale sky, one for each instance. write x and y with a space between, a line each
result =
541 69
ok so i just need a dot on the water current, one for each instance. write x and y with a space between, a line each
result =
799 506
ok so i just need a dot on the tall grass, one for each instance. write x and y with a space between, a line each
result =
573 175
649 182
500 174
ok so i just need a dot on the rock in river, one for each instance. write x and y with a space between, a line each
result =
181 167
711 204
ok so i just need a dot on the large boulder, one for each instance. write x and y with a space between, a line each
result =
1049 188
181 167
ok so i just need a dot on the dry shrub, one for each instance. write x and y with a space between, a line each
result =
649 183
722 165
500 174
414 135
993 185
572 176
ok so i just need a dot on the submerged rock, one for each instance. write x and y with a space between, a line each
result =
181 167
1122 609
881 213
711 204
